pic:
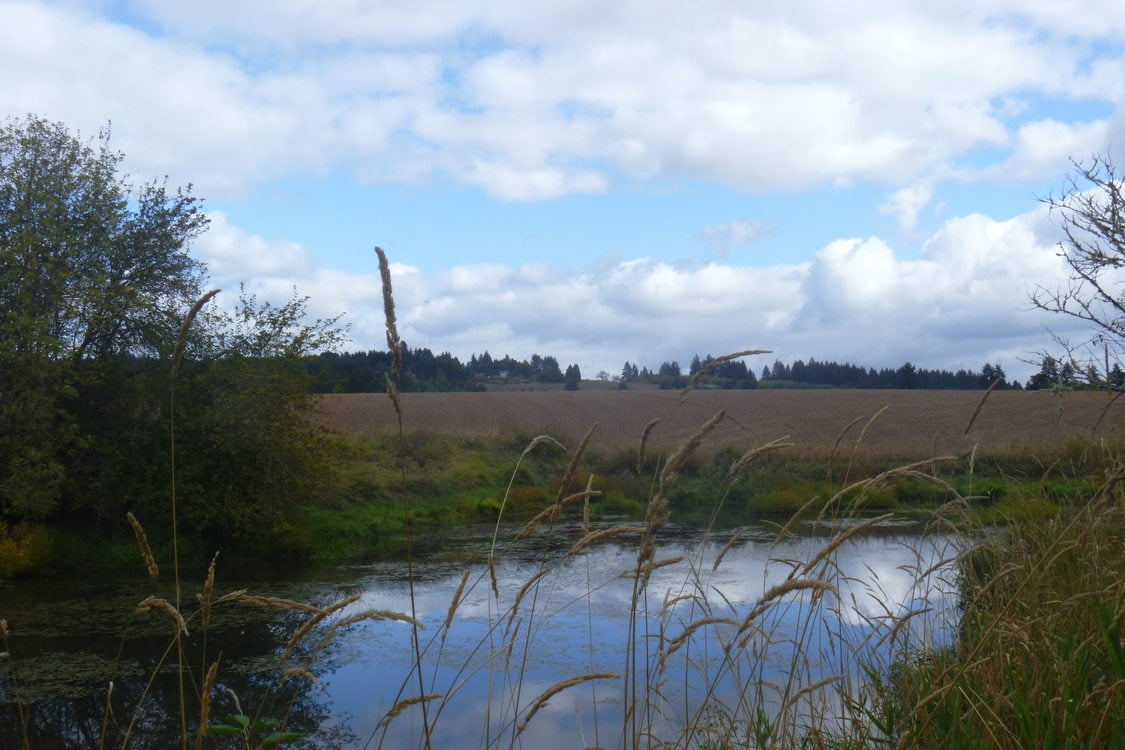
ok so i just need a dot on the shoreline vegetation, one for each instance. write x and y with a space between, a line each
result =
1054 447
455 479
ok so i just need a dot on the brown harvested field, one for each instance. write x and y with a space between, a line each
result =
914 425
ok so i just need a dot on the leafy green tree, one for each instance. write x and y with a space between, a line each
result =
95 281
92 270
572 378
247 454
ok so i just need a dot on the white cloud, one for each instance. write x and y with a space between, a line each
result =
1045 147
961 303
905 204
233 256
534 103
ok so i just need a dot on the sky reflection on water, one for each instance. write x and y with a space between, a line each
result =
579 613
575 621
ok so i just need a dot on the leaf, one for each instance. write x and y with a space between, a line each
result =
224 729
278 737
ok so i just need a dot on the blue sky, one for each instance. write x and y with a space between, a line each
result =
637 181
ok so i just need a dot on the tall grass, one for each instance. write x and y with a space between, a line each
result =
1040 658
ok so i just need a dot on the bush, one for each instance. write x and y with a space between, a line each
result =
24 548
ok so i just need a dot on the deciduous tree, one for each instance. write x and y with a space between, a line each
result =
92 270
1091 211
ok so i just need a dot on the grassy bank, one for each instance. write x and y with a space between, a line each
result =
1040 657
454 480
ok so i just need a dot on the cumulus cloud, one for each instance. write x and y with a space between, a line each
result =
534 103
1047 146
961 303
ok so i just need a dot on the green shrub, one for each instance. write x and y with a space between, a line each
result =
24 548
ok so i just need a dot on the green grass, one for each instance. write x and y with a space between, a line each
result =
1040 658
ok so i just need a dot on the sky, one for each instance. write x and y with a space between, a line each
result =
610 182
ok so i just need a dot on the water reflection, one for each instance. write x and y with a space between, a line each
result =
70 638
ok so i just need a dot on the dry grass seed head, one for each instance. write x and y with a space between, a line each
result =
301 672
540 440
836 445
273 602
142 541
670 601
776 592
726 548
641 448
205 703
512 632
406 703
454 602
394 344
167 608
689 631
557 688
388 301
980 405
645 570
208 591
808 689
551 512
842 537
737 467
572 467
181 340
656 511
367 614
233 596
523 592
492 575
676 460
859 440
302 631
710 366
597 536
234 697
863 486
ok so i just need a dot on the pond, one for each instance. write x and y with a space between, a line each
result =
696 646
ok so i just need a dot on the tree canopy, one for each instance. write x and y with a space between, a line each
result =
91 268
95 281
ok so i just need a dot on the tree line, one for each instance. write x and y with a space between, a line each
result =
422 370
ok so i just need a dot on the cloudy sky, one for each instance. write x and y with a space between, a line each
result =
610 181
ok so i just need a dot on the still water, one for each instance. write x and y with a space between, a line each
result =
82 661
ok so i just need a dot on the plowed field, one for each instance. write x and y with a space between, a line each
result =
915 424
